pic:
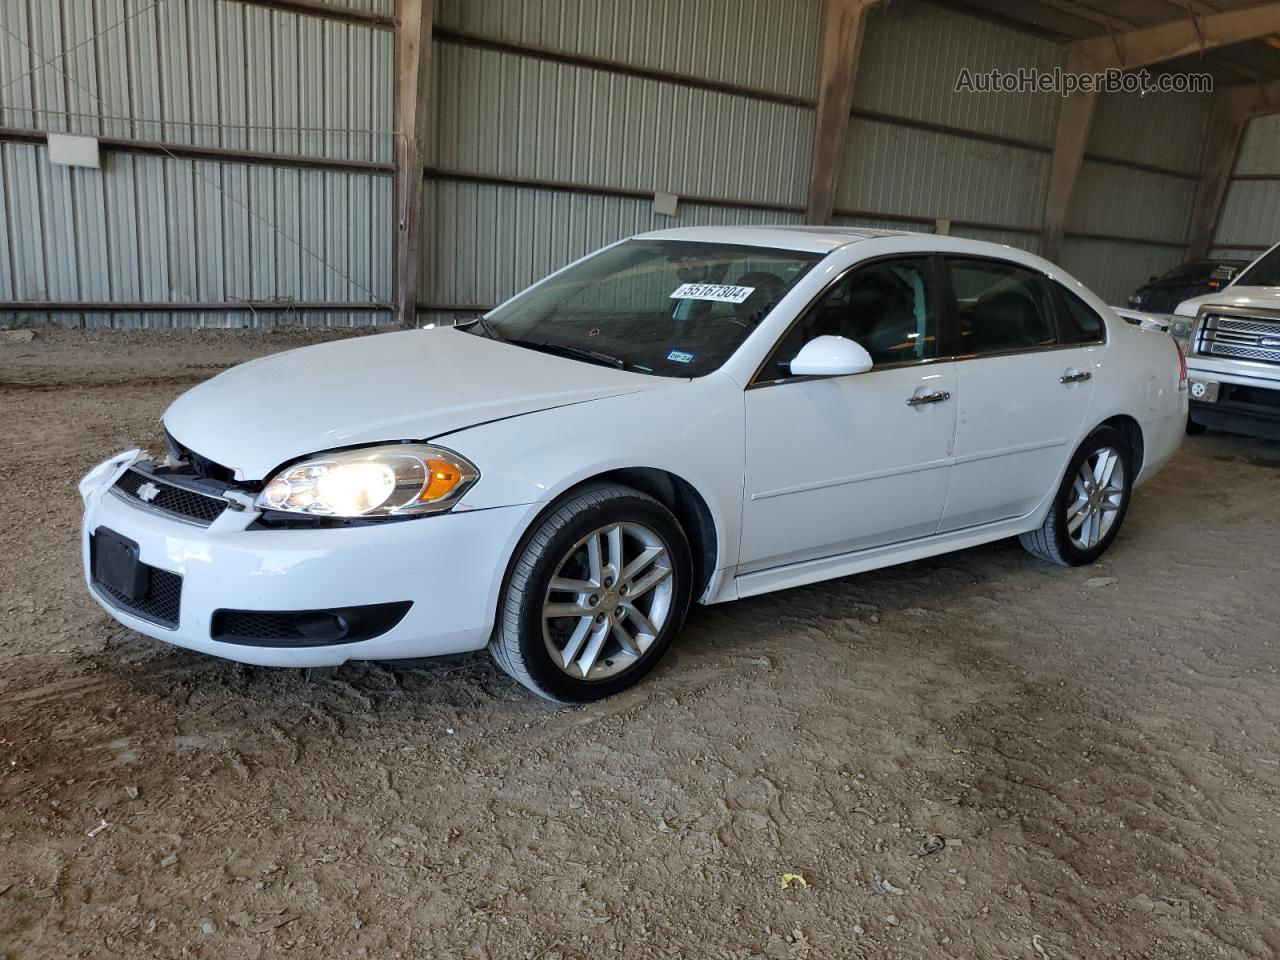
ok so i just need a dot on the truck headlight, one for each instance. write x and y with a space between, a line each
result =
395 479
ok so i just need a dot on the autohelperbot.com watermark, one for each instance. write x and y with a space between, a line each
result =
1065 82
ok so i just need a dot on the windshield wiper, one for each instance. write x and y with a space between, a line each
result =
483 322
576 353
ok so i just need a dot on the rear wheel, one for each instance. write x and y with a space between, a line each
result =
598 591
1091 502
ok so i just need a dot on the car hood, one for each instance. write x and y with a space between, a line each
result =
388 387
1266 297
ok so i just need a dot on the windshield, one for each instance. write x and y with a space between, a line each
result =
1265 271
666 307
1194 270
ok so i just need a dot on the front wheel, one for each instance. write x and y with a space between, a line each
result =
596 594
1091 502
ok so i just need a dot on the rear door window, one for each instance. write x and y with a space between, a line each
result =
1000 307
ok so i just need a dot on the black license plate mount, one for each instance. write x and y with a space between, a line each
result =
116 564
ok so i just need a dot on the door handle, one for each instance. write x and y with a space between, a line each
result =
1076 377
934 396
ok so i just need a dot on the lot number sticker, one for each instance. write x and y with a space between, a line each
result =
720 292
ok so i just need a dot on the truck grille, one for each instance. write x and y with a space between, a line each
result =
171 499
1239 338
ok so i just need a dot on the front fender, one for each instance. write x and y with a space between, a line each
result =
691 428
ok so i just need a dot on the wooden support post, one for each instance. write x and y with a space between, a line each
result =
1226 131
1233 108
842 22
413 87
1074 116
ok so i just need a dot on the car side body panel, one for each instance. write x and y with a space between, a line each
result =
689 428
696 429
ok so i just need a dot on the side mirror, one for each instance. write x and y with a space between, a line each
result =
830 356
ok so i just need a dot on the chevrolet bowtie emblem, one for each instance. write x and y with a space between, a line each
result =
148 492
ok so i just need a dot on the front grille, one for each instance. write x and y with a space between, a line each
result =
171 499
1239 338
163 603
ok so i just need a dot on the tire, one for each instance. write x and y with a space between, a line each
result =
559 547
1194 429
1056 541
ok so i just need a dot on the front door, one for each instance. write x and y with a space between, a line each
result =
838 464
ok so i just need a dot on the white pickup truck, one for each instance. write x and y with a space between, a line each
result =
1233 352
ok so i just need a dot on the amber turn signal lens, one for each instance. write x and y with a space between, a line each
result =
442 477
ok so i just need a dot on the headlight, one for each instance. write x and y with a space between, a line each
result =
397 479
1181 329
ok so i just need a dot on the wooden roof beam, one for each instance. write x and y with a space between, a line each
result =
1127 50
1193 33
1233 108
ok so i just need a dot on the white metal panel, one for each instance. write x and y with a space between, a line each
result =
16 62
1250 214
493 241
763 44
385 7
188 319
160 229
1113 269
504 114
207 72
1260 150
1124 202
1161 129
912 57
888 168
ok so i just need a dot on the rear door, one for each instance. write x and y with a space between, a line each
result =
1024 384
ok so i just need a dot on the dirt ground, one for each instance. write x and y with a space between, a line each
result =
1101 755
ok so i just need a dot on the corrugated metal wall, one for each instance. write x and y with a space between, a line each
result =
1149 207
913 53
490 241
509 116
552 123
1251 212
207 72
766 44
164 229
982 158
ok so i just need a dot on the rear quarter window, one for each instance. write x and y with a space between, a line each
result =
1080 322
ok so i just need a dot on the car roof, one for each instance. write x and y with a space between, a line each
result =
811 239
825 240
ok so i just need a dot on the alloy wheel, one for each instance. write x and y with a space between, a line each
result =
608 600
1097 494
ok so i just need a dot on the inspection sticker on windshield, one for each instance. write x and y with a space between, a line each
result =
680 356
720 292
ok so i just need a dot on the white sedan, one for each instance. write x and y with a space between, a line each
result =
704 414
